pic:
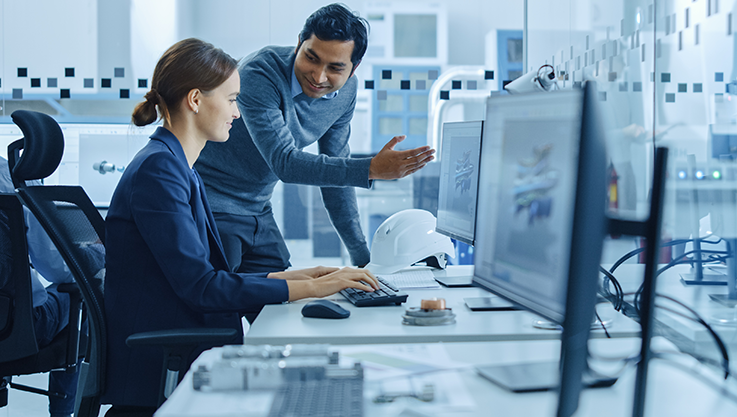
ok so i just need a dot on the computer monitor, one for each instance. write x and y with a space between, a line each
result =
460 154
539 242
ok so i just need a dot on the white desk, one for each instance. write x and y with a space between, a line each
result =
671 391
283 323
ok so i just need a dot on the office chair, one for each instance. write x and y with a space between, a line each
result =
19 351
78 231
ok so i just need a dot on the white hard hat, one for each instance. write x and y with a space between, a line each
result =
405 238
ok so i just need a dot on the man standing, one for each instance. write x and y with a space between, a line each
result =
291 98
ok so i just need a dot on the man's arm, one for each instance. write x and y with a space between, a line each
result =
342 208
340 202
45 258
262 113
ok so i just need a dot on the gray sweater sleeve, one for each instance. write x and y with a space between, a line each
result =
340 202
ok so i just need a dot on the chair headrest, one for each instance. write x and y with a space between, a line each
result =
42 144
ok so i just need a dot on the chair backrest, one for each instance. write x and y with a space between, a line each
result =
17 338
78 231
75 227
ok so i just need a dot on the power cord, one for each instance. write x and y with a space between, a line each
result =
680 261
603 326
618 295
697 318
637 251
690 370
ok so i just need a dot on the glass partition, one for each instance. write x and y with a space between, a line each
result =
665 74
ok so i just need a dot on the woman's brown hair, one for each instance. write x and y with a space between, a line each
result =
188 64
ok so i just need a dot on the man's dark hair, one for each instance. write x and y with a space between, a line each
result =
337 22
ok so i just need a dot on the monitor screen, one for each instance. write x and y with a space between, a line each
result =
460 154
538 243
530 167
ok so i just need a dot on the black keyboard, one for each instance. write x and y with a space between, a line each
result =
386 294
334 397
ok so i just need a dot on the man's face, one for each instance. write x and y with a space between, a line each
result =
323 67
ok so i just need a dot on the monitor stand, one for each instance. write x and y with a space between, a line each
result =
536 376
699 277
455 276
492 303
549 325
703 279
730 298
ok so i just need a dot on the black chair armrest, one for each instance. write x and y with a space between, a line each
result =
69 287
178 345
73 328
180 337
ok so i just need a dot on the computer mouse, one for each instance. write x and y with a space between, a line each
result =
324 309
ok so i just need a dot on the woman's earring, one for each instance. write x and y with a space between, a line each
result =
196 111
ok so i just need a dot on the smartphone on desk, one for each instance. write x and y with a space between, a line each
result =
490 304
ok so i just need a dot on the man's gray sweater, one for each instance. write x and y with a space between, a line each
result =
266 145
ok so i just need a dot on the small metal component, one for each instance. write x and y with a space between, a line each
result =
433 304
423 317
426 395
103 167
268 367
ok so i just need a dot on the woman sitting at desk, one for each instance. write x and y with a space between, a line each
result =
165 262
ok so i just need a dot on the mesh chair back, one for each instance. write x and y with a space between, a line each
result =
17 338
78 231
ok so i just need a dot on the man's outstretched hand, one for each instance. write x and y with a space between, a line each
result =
389 164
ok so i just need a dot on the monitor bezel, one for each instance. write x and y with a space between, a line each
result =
585 158
453 235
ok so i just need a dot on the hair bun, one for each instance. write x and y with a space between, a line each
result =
153 96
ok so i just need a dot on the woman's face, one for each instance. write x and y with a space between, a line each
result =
218 109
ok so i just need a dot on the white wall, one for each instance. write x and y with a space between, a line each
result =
46 37
94 36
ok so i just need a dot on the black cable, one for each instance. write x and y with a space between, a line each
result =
673 263
719 342
619 293
717 339
610 278
637 251
703 360
730 395
603 326
605 288
681 260
721 364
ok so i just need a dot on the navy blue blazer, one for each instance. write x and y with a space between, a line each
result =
166 268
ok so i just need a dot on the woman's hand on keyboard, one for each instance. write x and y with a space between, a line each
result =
331 283
304 274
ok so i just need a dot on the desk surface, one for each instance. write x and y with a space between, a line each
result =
671 391
691 335
283 323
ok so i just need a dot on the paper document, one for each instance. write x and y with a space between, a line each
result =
421 278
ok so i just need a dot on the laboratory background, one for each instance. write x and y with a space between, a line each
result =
665 73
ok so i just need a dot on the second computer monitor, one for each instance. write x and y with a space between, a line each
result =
542 195
460 155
